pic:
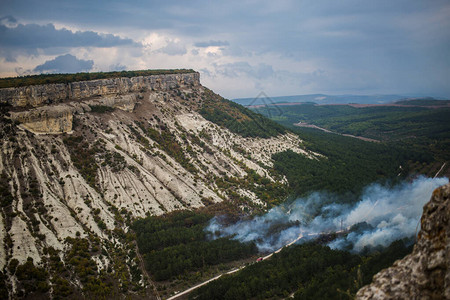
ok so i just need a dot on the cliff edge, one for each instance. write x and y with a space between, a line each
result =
424 274
39 95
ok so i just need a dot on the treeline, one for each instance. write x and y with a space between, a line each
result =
237 118
424 102
176 244
310 270
66 78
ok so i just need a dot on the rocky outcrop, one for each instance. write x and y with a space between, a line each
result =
51 119
55 119
424 274
123 102
38 95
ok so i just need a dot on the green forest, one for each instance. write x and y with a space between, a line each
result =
347 165
176 248
311 271
424 127
176 244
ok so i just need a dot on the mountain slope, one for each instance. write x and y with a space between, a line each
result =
75 173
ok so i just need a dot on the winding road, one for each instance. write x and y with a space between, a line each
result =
303 124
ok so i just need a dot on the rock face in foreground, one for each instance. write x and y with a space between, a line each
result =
424 274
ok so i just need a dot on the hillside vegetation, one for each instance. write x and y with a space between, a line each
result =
237 118
419 127
348 164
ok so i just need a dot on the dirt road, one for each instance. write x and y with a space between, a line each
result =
302 124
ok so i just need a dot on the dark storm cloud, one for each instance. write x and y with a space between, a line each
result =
367 46
32 36
26 39
8 21
65 64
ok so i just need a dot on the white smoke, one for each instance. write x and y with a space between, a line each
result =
383 214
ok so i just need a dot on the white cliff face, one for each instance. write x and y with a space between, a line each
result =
73 170
38 95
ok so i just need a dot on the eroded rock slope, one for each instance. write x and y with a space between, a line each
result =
76 173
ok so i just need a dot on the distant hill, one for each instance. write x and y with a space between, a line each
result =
423 102
326 99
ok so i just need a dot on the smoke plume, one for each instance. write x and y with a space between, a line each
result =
381 216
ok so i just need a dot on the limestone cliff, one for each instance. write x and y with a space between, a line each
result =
425 273
76 97
38 95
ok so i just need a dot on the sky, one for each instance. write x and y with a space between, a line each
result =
241 48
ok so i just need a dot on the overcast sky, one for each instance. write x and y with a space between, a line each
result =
240 47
